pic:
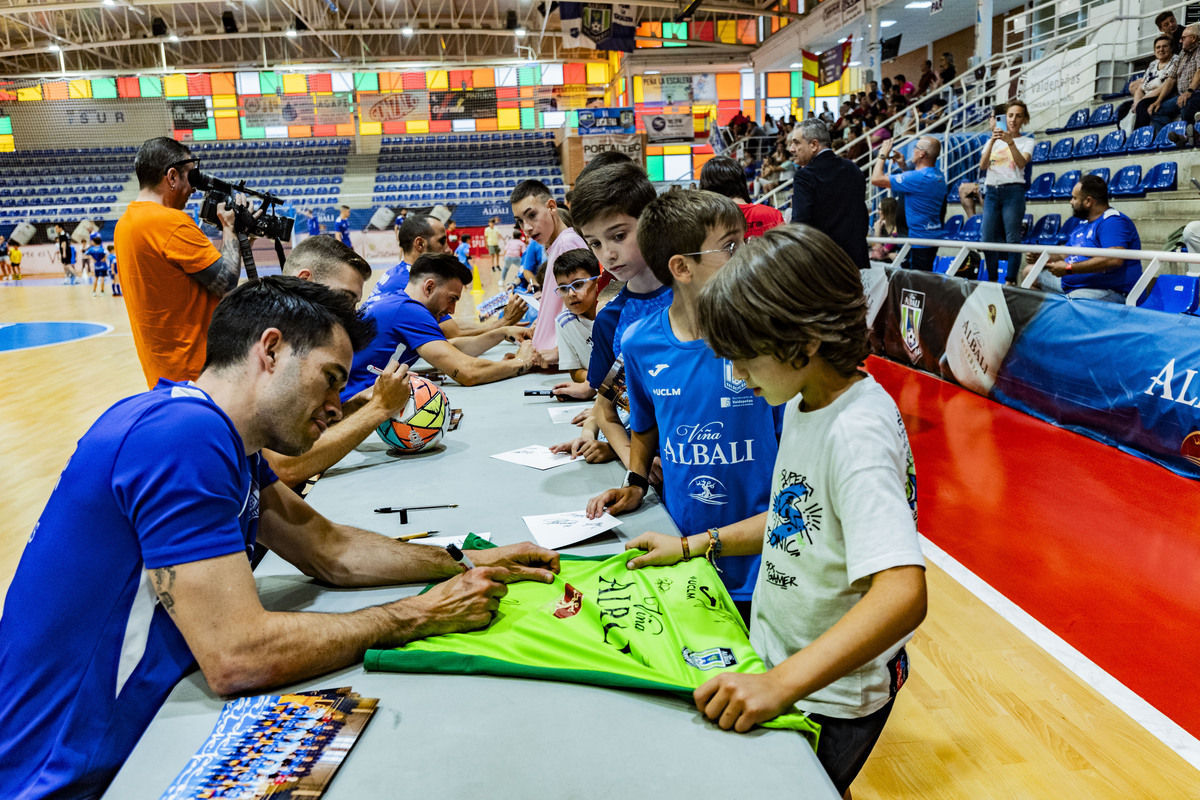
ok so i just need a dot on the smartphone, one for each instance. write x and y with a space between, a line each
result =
1001 124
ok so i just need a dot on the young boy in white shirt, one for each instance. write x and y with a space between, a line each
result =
842 582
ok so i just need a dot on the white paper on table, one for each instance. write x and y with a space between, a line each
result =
457 541
561 414
559 530
537 456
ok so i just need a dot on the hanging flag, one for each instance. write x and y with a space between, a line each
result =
809 65
597 26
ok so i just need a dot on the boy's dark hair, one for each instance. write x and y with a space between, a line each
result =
414 226
439 266
723 175
781 292
303 311
605 158
1161 18
344 207
1093 186
579 259
679 222
153 158
614 189
323 256
529 188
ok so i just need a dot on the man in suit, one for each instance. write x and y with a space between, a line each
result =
829 192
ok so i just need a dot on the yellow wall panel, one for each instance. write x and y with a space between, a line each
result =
175 85
597 74
508 119
437 79
417 126
370 128
295 84
81 89
30 93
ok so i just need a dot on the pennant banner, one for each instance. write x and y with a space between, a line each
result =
597 26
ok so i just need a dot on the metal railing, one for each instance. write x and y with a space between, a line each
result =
1149 272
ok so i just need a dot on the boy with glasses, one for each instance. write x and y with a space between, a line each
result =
577 273
716 439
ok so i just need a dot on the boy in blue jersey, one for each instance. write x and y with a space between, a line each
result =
717 441
531 264
98 263
842 583
463 251
314 222
407 329
112 268
102 619
605 206
343 225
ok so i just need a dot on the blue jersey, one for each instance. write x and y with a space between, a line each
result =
87 653
401 326
343 228
464 252
535 256
717 441
393 281
1110 229
314 226
613 320
924 194
98 255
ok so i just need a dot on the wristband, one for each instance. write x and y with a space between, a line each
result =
1067 264
687 549
633 479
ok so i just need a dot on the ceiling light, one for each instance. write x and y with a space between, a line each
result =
920 4
796 65
110 2
744 70
854 64
407 31
173 38
54 48
291 33
519 31
652 72
887 23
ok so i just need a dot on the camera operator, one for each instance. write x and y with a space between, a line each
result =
172 275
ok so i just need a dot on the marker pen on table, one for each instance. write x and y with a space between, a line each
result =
539 393
459 556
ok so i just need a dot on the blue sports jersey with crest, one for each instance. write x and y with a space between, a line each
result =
343 228
717 441
401 326
390 282
87 652
99 257
613 320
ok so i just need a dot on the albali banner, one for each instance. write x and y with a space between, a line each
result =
628 143
1122 375
398 107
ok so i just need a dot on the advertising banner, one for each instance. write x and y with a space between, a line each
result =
333 109
606 120
663 128
628 143
393 107
568 98
832 63
273 110
468 104
668 90
189 115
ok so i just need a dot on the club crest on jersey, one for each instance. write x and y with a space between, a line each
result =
713 658
570 603
708 489
734 387
912 308
731 383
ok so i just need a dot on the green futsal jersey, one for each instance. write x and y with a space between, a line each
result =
666 629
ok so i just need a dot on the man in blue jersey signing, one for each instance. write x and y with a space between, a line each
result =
138 568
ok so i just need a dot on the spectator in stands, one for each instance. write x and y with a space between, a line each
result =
828 192
827 115
406 325
1155 101
924 194
343 226
1187 80
535 206
926 79
906 88
172 275
1095 278
722 175
1003 160
886 226
1170 26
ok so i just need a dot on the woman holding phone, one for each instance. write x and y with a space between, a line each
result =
1003 160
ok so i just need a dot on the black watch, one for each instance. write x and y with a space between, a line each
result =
633 479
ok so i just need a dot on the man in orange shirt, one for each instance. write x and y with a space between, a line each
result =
172 275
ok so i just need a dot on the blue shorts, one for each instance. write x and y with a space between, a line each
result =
101 272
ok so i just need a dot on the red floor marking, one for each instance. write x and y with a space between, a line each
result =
1099 546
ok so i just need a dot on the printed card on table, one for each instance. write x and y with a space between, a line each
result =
559 530
535 455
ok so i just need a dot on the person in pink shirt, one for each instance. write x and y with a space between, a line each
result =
514 248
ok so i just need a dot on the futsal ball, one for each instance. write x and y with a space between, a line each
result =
424 418
980 339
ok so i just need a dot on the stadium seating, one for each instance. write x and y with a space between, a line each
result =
1112 143
1041 152
972 229
1066 182
1070 224
1103 173
1175 294
1141 140
952 226
1087 146
1078 119
1062 149
1102 115
1044 230
1162 140
1041 187
1127 182
1160 178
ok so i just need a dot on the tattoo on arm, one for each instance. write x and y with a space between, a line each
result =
164 581
222 277
454 375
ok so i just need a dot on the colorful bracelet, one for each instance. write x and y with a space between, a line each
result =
714 547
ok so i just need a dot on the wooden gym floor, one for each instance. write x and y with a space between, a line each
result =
987 712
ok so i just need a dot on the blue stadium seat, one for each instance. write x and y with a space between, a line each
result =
942 263
972 229
1044 230
953 226
1174 294
1041 152
1127 182
1112 143
1041 187
1087 146
1078 119
1061 151
1161 178
1141 140
1102 173
1161 142
1065 183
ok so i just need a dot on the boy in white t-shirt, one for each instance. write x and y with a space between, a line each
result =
577 273
842 582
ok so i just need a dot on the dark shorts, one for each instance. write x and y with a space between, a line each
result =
101 272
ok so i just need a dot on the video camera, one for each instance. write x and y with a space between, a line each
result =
263 222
